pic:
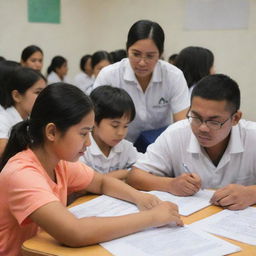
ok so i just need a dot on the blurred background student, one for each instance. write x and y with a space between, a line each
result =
195 62
20 93
84 79
32 57
118 55
172 58
6 69
57 70
100 59
109 153
158 89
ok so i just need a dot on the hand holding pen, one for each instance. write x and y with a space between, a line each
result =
186 184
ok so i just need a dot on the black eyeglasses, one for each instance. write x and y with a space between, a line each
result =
211 124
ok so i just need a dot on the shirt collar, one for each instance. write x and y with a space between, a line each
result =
129 74
235 144
95 150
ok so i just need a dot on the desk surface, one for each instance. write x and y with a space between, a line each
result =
44 244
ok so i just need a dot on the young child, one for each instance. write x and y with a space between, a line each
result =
109 152
41 168
20 92
57 70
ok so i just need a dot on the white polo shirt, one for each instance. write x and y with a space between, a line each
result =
167 93
122 156
178 145
54 78
8 118
83 82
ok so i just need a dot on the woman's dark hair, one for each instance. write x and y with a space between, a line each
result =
112 102
21 79
56 62
28 51
218 87
98 56
6 69
62 104
146 29
118 55
195 63
83 61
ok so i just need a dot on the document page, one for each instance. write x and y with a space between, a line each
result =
187 204
103 206
237 225
168 241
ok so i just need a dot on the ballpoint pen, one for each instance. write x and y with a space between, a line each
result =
186 169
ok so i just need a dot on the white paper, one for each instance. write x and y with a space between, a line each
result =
187 204
237 225
103 206
167 241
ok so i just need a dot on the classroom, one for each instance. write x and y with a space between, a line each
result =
228 29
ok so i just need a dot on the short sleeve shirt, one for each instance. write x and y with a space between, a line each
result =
166 94
8 117
178 145
25 187
122 156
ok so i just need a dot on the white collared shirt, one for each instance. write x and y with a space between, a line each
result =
178 145
83 82
166 94
122 156
8 118
54 78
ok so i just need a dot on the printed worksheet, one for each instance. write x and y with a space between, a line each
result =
237 225
108 206
187 204
168 241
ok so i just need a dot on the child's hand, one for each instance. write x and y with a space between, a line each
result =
145 201
166 213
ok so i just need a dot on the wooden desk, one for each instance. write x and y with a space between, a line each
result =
44 244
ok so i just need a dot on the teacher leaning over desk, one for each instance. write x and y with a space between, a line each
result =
214 144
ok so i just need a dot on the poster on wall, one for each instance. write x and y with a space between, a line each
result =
216 14
44 11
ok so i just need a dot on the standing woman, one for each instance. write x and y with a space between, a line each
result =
84 79
158 89
32 57
57 70
195 62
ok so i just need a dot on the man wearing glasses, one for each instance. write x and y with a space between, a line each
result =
212 148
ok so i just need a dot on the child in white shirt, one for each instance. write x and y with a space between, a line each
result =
109 152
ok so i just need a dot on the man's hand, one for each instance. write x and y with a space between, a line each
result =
234 197
185 184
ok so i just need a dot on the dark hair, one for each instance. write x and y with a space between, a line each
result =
118 55
112 102
62 104
29 50
56 62
99 56
195 63
218 87
83 61
6 69
2 58
172 58
21 79
146 29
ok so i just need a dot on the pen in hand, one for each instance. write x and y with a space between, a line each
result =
186 169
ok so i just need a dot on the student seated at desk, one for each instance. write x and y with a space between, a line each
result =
213 144
40 167
109 152
19 94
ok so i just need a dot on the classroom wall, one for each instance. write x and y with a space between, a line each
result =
87 26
